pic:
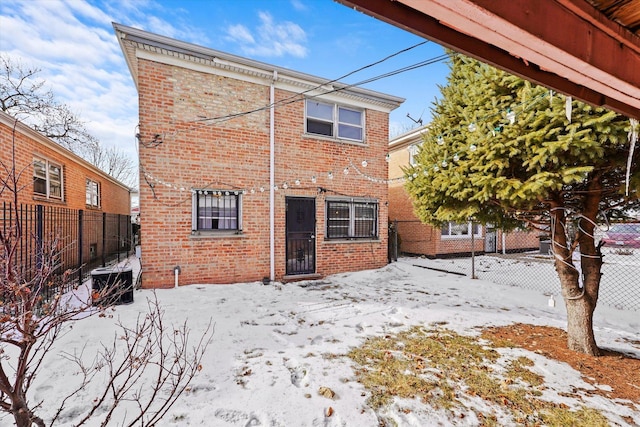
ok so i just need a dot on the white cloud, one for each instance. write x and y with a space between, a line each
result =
271 39
74 46
240 33
298 5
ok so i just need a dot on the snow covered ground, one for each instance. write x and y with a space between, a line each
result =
268 357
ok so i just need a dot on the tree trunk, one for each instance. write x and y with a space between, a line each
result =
22 416
580 301
580 336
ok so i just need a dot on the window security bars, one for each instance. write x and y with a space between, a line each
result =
216 210
352 220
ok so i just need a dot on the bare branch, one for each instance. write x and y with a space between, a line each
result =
150 363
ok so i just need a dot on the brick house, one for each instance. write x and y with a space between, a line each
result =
251 171
451 239
54 176
59 187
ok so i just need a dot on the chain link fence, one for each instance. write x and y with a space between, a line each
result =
535 270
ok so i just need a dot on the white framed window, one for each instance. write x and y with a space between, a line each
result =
47 179
217 210
352 219
93 193
334 120
413 151
456 230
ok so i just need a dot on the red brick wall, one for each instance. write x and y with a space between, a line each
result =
234 155
519 239
114 197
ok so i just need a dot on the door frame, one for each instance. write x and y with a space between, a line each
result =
302 243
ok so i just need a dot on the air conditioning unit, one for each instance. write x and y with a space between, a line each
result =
111 285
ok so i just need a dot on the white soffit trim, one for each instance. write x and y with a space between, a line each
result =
241 72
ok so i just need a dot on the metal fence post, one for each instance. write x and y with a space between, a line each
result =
104 239
129 246
473 252
395 240
80 245
119 238
39 236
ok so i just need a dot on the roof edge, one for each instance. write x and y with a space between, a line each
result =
124 32
28 131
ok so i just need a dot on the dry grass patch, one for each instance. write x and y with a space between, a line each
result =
619 371
446 371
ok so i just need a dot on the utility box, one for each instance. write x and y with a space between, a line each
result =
545 247
111 285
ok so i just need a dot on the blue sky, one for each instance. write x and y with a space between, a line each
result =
73 43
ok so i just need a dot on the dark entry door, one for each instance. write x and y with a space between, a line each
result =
301 235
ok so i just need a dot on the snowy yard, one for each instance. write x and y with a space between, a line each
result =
275 346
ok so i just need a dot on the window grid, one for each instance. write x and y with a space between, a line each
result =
47 179
413 151
458 230
331 119
93 193
216 211
352 220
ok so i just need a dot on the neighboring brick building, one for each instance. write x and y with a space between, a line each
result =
55 186
452 239
52 175
249 170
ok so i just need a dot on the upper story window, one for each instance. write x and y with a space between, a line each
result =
413 151
458 230
352 219
47 179
93 193
217 210
334 120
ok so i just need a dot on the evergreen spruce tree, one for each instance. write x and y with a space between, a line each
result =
504 151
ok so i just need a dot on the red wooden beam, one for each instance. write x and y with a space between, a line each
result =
597 67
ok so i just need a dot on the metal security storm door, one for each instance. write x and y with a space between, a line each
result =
301 235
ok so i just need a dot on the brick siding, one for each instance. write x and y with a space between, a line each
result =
29 145
234 155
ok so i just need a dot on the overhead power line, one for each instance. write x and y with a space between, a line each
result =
297 96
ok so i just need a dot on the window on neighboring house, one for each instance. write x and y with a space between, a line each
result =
455 229
216 210
413 150
47 179
352 219
93 193
334 120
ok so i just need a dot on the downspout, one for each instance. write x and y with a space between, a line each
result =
272 219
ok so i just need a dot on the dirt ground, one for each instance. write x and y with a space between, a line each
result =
621 372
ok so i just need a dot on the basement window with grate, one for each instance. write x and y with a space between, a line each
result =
352 219
217 210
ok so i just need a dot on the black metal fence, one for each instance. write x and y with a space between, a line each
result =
84 239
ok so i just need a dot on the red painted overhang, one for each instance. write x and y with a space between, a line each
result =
566 45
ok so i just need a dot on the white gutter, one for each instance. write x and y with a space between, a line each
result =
272 220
